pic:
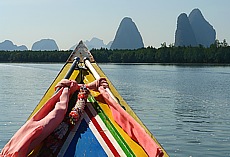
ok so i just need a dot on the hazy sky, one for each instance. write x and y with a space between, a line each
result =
69 21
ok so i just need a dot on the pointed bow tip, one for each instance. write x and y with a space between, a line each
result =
81 42
81 51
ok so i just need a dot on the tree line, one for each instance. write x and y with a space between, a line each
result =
219 52
34 56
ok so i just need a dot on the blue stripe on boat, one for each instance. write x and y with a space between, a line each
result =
84 143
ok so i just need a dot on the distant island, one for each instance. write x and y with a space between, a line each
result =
8 45
51 45
191 30
195 42
127 36
45 45
194 30
218 53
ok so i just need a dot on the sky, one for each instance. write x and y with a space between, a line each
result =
69 21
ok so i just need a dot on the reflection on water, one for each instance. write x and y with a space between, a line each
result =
186 107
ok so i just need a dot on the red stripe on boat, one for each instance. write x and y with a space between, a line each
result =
101 132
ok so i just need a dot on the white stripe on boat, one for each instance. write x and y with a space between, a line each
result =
106 131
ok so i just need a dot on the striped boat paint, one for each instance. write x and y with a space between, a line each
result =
93 128
116 134
85 143
130 147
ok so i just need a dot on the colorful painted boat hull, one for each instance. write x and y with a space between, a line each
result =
96 133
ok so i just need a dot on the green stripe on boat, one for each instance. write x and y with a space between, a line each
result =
124 146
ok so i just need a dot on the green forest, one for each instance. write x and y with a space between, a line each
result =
219 52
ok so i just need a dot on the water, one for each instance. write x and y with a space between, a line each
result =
185 107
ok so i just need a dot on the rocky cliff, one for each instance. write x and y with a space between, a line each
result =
8 45
194 26
127 36
203 30
45 45
94 43
184 34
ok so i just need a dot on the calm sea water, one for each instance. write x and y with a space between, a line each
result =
185 107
